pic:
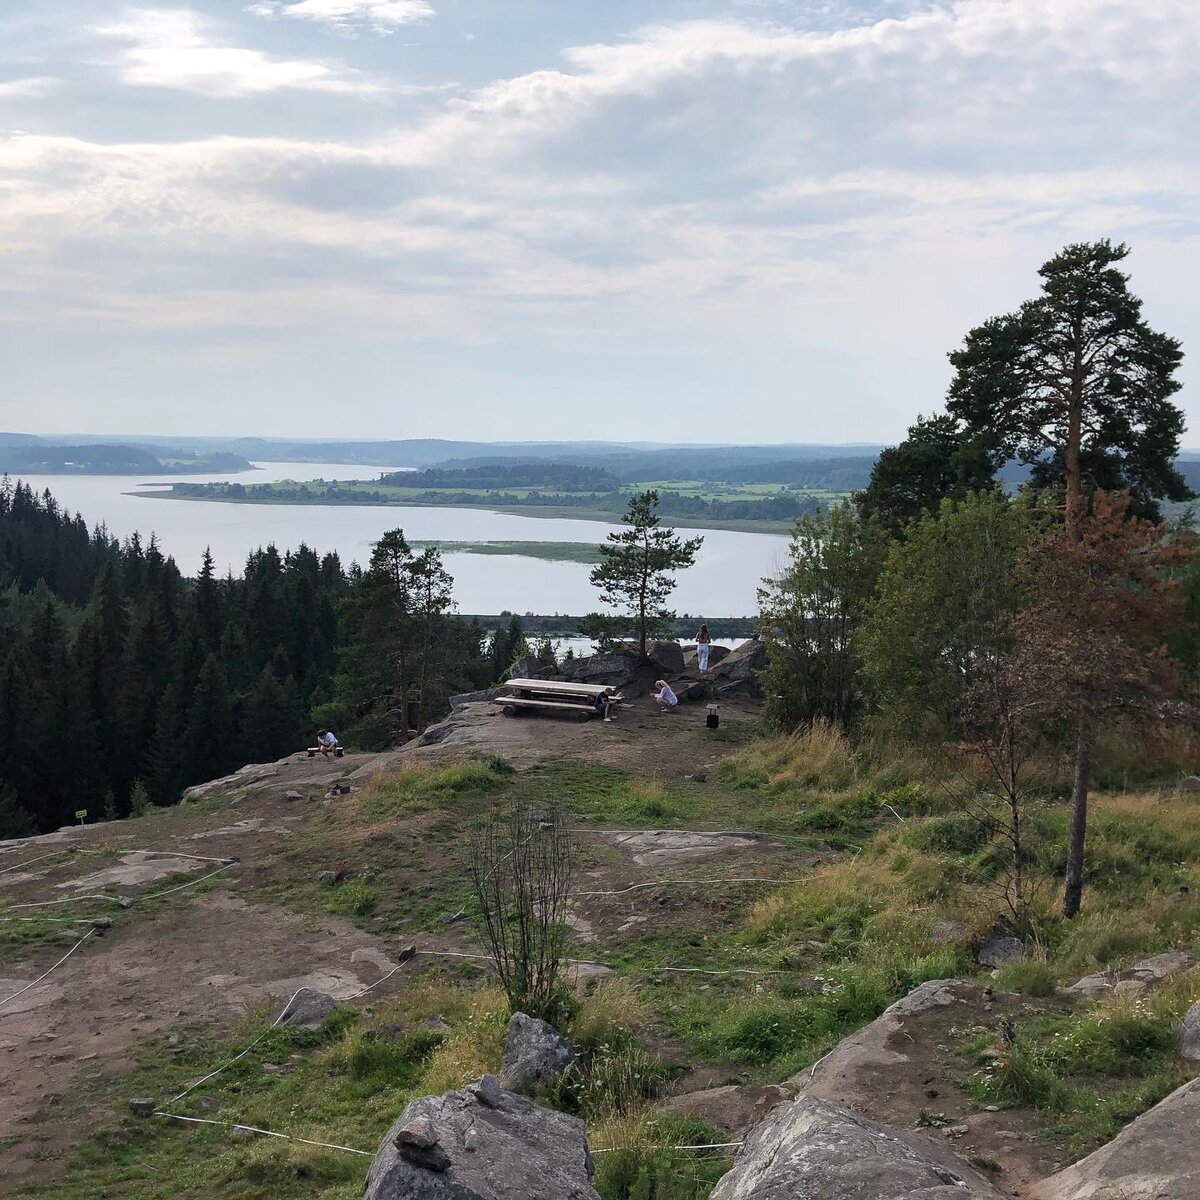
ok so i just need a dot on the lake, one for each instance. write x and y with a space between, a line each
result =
721 584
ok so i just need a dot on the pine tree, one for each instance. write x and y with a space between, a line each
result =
635 572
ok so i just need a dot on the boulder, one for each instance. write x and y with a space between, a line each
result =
820 1151
474 697
999 951
666 656
481 1144
862 1063
307 1009
731 1108
1154 1158
1147 972
534 1052
436 734
737 674
618 669
1188 1035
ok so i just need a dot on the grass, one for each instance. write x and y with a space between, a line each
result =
908 884
1088 1072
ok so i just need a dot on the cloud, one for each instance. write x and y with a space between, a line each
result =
722 172
32 87
382 16
178 48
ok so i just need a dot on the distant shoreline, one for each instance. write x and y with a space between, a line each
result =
774 528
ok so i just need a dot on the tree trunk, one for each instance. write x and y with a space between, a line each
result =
1073 889
1074 501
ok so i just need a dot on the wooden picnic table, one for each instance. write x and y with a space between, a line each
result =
577 698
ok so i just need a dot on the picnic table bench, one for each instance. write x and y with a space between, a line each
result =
533 694
313 751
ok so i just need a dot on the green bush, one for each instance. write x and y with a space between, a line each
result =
957 833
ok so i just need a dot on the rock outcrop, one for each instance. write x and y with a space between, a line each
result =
481 1143
1141 975
820 1151
859 1064
1154 1158
534 1052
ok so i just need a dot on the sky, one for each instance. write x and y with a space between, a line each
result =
672 220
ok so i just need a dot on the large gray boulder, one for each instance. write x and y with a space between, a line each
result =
816 1150
667 657
617 669
534 1052
481 1143
307 1009
999 951
1154 1158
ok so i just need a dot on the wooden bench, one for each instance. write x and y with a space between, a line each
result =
576 698
313 751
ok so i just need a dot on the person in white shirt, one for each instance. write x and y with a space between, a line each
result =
664 697
326 742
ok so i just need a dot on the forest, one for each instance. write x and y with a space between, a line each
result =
122 682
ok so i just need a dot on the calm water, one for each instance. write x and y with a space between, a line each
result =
721 584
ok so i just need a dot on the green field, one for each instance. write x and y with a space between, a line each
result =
580 552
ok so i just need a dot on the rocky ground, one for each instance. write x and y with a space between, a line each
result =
212 952
321 874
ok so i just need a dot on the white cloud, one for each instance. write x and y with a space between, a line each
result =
383 16
745 169
178 48
30 88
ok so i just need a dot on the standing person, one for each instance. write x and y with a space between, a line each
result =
326 742
703 641
664 697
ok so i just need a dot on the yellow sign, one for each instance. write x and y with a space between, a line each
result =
80 813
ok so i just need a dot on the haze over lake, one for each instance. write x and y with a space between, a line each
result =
721 584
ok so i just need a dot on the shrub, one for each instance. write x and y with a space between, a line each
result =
139 799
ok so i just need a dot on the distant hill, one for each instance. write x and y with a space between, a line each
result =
38 457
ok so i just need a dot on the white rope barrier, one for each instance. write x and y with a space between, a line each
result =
22 991
706 1146
287 1137
637 887
182 886
238 1057
30 861
179 854
71 900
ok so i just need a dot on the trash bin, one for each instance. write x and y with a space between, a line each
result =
713 720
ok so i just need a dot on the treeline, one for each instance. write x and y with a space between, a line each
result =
783 506
122 683
538 473
1013 634
105 459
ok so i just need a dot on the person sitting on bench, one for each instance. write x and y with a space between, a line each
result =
326 743
607 703
664 697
